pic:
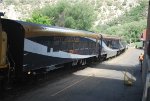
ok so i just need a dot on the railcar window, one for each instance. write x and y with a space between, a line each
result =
46 41
64 46
56 43
76 44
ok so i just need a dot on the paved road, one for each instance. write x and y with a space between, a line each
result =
98 82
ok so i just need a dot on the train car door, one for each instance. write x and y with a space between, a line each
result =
3 45
15 35
3 49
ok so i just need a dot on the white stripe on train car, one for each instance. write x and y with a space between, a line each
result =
33 47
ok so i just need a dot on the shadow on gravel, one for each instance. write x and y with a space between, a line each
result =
130 69
43 80
90 89
35 82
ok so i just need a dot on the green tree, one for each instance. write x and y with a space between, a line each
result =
40 19
83 16
130 31
78 15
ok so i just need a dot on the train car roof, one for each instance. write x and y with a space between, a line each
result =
106 36
34 30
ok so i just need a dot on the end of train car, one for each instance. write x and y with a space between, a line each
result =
114 43
109 52
3 50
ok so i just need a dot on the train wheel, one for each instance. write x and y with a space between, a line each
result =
99 58
85 62
80 62
68 65
75 62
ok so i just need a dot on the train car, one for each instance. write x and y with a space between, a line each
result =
109 52
33 48
114 43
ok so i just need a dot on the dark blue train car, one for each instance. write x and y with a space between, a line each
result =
33 48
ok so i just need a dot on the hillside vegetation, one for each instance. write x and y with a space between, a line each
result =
130 25
126 18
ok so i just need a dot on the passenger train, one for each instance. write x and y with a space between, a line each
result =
28 48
